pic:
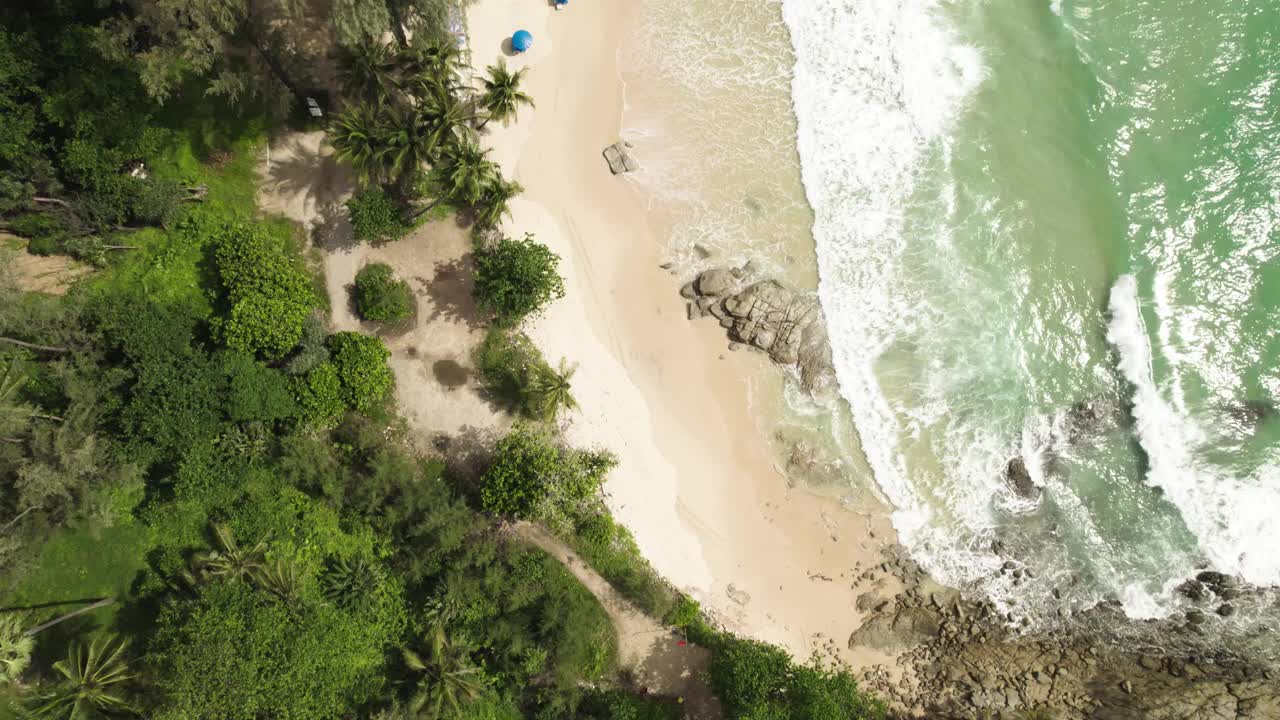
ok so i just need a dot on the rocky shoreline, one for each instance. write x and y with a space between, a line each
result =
962 658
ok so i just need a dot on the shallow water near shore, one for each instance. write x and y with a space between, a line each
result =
1044 231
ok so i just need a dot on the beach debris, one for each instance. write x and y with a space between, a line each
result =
619 159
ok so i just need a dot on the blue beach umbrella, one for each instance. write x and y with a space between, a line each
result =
561 3
522 40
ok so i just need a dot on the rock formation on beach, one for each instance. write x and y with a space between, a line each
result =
618 155
767 316
963 660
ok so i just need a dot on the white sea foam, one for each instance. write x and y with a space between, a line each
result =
1234 518
876 85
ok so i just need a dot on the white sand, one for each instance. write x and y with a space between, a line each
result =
696 483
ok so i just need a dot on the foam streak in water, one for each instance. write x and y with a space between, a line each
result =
1234 518
876 84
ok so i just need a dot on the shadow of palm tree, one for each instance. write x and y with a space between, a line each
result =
331 230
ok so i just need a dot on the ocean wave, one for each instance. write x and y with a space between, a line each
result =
1233 517
876 86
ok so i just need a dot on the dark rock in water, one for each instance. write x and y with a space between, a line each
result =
1019 479
1196 617
1227 610
1192 589
1213 578
1251 413
688 292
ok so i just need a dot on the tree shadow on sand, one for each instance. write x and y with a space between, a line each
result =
450 291
331 230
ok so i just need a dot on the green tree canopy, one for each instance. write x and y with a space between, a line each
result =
268 293
238 654
517 278
380 295
361 364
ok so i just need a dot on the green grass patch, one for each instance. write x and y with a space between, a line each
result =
79 563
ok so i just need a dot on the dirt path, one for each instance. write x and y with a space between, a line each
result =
436 388
647 649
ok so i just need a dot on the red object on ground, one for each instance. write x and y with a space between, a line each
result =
682 643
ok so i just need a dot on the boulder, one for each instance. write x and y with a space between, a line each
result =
619 159
715 282
1019 479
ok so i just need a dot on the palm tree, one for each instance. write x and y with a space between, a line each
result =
15 415
351 584
362 136
448 680
433 64
443 117
367 71
92 675
502 96
229 560
549 391
15 649
280 579
494 201
466 171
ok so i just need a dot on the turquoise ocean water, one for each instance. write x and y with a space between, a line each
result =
1050 231
1046 230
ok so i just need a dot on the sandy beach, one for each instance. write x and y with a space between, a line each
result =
696 482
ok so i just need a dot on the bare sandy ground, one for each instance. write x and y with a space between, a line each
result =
436 388
48 274
696 483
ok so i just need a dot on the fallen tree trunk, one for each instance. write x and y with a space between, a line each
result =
33 346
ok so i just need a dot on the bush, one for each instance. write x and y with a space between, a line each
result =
361 363
380 296
517 278
43 245
319 396
45 232
268 292
754 680
376 217
531 476
256 391
311 351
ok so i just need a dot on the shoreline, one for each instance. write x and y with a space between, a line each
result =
697 483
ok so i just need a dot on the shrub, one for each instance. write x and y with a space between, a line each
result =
530 475
517 278
256 391
311 351
45 232
376 217
319 396
43 245
754 679
380 296
268 293
361 363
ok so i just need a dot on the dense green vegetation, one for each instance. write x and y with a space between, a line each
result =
517 278
208 507
380 296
